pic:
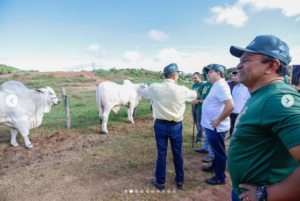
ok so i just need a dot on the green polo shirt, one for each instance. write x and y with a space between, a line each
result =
286 79
205 90
198 88
264 132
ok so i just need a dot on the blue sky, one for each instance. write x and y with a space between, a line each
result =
72 35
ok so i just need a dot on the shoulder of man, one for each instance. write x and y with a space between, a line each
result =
278 96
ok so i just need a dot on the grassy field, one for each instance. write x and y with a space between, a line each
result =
7 69
82 164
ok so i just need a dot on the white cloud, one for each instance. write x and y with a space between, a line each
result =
295 54
94 51
43 65
289 8
188 62
169 55
231 15
132 56
93 48
235 15
157 35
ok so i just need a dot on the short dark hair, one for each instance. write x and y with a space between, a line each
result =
197 73
281 70
221 74
169 75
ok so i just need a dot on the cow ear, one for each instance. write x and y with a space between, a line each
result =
40 90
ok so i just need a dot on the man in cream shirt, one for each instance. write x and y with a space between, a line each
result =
168 102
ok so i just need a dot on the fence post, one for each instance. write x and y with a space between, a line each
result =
291 75
65 98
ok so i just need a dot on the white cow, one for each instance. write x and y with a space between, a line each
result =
111 96
28 113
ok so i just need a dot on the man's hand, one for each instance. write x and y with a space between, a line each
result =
195 102
250 194
214 123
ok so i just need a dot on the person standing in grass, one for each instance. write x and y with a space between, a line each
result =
168 101
264 151
197 86
205 149
234 82
216 109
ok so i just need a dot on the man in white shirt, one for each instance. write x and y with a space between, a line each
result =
240 95
216 109
168 102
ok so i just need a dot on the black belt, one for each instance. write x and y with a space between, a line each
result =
235 114
165 121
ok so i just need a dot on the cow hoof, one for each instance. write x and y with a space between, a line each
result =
30 146
103 132
15 145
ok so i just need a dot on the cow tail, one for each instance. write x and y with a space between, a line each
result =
98 100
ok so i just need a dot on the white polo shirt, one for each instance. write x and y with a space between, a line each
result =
240 95
168 99
213 106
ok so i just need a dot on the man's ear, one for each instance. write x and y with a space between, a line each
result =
273 66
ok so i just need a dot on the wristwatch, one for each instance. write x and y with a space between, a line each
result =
261 193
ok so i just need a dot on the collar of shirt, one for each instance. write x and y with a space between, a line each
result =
169 80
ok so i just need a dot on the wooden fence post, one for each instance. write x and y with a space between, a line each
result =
65 98
291 75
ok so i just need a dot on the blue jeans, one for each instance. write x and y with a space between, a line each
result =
197 119
217 144
206 146
232 122
234 197
163 132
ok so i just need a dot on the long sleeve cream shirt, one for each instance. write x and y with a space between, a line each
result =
168 99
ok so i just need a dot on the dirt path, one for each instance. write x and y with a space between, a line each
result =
66 165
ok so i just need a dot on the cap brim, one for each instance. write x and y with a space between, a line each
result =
238 51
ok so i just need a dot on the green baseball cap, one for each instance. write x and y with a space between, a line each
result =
171 68
216 67
267 45
205 70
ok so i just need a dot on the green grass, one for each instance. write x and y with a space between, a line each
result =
7 69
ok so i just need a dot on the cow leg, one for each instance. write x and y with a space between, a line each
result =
105 119
13 140
24 130
101 114
130 113
134 112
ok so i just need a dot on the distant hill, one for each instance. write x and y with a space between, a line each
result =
4 69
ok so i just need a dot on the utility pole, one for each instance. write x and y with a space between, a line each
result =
100 54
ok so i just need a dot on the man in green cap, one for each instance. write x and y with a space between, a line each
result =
203 94
216 109
264 151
